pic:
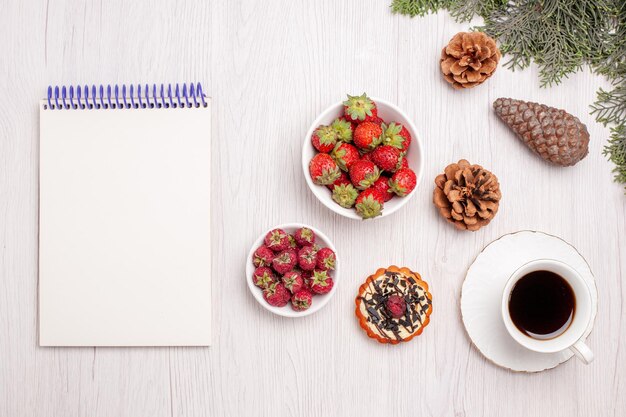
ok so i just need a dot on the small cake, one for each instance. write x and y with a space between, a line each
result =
394 305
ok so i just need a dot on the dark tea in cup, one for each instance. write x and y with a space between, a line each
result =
547 307
542 305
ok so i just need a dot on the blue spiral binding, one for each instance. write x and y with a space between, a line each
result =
119 97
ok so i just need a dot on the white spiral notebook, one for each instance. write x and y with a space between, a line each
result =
124 216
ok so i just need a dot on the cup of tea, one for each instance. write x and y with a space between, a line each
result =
546 307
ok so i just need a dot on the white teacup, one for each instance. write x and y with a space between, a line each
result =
571 338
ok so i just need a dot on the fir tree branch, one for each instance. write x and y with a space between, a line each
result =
513 26
610 107
464 11
414 8
615 151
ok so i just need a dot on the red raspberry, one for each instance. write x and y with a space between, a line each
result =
293 281
321 282
301 300
263 276
326 259
307 258
277 240
306 278
276 294
292 242
396 306
262 256
304 236
285 261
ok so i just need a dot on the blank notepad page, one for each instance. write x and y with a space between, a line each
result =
124 241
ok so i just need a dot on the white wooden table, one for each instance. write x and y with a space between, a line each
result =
271 67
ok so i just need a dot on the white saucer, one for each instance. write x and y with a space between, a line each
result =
481 297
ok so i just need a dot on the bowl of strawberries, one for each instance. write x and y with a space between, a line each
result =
363 158
291 270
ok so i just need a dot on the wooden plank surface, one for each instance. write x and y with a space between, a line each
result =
270 68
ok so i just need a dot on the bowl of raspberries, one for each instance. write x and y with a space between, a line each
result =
291 270
362 158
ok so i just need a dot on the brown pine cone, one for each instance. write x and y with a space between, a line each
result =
469 59
553 134
467 195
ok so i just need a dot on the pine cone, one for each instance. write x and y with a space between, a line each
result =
467 195
469 59
553 134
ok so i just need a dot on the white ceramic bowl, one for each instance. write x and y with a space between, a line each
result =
387 112
319 300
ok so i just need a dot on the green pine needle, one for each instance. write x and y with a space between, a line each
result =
561 37
610 106
464 11
418 7
615 151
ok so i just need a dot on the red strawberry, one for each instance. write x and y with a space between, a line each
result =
345 195
276 294
343 179
367 156
396 135
262 256
263 276
382 185
387 158
326 259
363 174
404 163
324 139
345 155
321 282
307 258
285 261
304 236
277 240
323 169
396 306
370 203
343 128
367 135
377 120
403 182
301 300
359 108
293 281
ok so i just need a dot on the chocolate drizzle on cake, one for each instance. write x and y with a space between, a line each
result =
417 305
